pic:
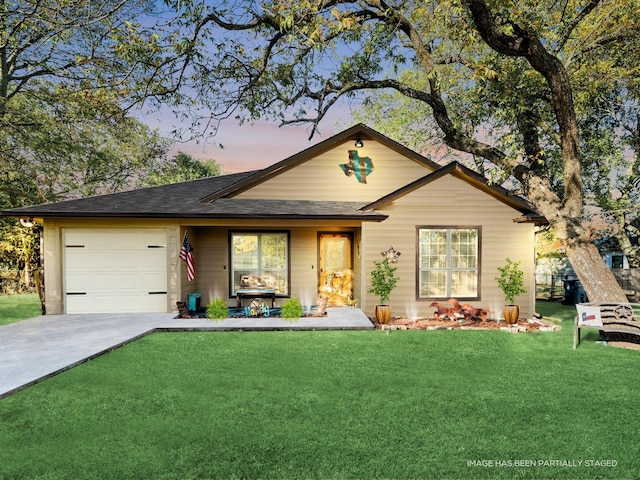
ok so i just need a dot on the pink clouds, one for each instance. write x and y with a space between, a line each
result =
258 145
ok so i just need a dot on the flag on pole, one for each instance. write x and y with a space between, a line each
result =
187 257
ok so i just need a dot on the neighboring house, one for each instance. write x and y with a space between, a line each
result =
312 223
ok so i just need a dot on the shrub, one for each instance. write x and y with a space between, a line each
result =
383 280
217 309
291 310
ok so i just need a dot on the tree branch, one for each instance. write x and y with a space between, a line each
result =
574 23
525 44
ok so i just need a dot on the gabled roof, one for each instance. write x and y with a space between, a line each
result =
475 179
360 130
140 200
213 197
180 200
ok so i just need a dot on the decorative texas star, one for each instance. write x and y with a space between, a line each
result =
391 254
361 167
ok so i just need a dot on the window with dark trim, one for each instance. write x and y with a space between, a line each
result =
259 260
448 262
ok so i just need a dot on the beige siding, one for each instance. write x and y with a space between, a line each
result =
211 256
322 179
449 202
444 202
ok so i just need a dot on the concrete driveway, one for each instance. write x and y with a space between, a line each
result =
36 349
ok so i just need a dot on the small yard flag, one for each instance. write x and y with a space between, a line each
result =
589 316
187 257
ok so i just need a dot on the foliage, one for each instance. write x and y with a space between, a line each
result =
71 149
291 310
65 130
66 47
217 309
180 168
383 280
266 404
550 257
511 280
19 256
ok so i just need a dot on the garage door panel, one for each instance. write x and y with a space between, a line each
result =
115 270
104 303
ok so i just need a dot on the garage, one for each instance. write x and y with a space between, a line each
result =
115 270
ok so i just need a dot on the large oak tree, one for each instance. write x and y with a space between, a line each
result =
64 128
295 60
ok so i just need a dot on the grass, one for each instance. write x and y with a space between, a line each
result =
14 308
370 404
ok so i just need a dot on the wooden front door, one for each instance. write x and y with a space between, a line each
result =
335 268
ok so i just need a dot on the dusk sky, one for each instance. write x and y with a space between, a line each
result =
254 146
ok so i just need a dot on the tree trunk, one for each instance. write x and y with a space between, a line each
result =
597 279
563 214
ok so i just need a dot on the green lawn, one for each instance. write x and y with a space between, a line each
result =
441 404
14 308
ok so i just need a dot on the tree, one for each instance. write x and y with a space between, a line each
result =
68 43
616 185
63 129
605 85
72 149
19 258
294 60
180 168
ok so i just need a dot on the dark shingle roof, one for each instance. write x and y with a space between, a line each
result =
215 197
182 200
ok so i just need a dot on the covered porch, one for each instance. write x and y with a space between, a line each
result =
294 259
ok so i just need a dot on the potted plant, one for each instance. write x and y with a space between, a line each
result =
383 281
511 282
217 310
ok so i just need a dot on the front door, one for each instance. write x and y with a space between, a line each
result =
335 268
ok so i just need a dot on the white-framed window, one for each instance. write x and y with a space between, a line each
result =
448 263
260 260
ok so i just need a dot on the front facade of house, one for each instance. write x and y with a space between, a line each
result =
311 224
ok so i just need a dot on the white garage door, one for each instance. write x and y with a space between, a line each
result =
115 270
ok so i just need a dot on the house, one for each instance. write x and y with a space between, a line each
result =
312 223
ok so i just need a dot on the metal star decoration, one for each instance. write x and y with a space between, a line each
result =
391 254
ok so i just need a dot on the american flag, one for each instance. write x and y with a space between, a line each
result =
187 257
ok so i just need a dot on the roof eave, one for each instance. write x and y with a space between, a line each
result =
535 219
373 217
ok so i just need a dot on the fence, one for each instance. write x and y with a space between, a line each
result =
552 287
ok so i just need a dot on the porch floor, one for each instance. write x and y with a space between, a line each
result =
337 318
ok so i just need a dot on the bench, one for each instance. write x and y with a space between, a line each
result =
255 293
619 319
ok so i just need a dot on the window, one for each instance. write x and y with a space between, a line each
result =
617 261
448 262
260 260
